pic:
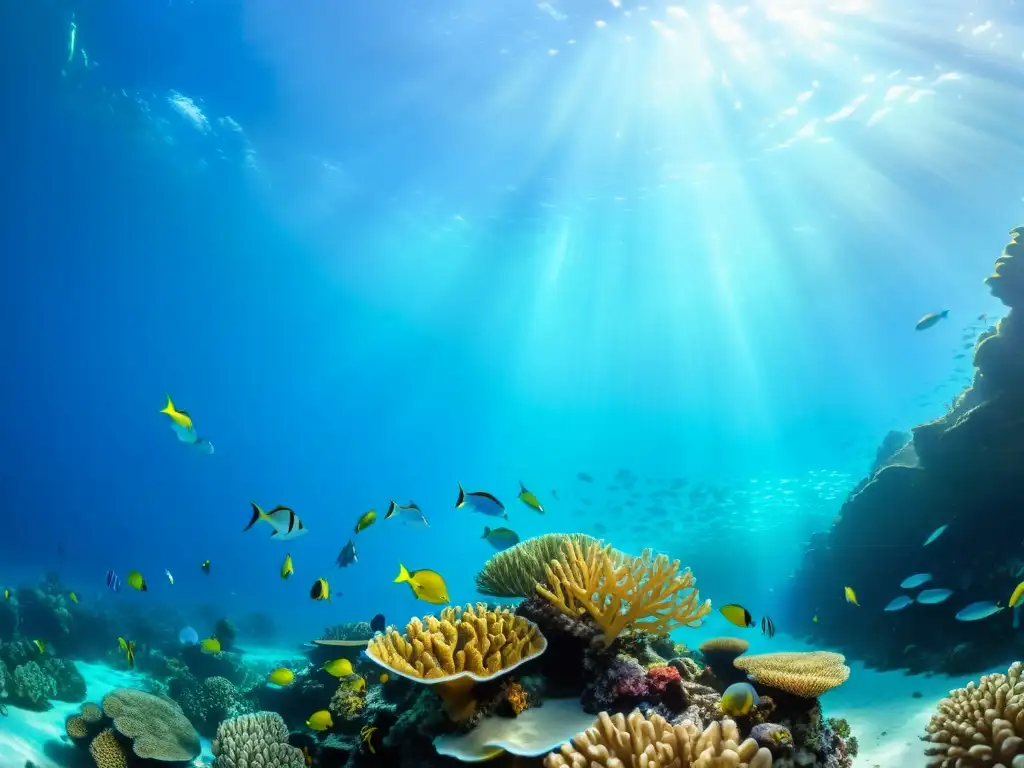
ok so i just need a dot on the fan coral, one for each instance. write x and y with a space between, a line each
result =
257 740
806 674
620 591
516 571
980 725
651 742
157 727
107 751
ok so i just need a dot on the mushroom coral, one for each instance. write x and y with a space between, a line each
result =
619 592
651 742
980 725
806 674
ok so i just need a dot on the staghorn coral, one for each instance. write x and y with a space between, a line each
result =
256 740
107 751
805 674
980 725
622 592
651 742
157 727
516 571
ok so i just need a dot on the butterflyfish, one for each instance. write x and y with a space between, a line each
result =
1017 596
129 654
427 585
320 590
935 534
851 596
410 513
899 603
40 645
366 520
500 538
737 614
932 596
378 623
931 319
286 567
113 582
283 520
738 699
135 581
73 597
181 418
529 499
980 610
338 668
281 676
482 502
320 721
347 556
205 567
916 580
767 627
210 645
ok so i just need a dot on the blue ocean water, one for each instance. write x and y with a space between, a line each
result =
377 249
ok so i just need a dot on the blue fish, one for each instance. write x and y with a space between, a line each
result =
933 596
899 603
482 502
347 556
916 580
113 582
935 534
979 610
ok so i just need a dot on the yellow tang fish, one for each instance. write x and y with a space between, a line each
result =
286 568
320 590
357 683
40 645
366 520
851 596
320 721
122 644
135 581
338 667
1017 596
529 499
73 597
427 585
181 418
210 645
281 676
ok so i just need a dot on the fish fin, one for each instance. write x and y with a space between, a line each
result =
257 514
169 408
505 516
522 488
392 508
462 497
403 575
274 533
486 532
944 313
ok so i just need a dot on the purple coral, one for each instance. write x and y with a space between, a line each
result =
618 683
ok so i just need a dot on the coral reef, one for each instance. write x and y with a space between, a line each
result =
156 726
980 725
256 740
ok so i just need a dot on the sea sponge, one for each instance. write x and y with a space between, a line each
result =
516 571
644 593
156 725
651 742
980 725
257 740
107 751
806 674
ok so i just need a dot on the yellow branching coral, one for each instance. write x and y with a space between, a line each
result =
651 742
980 725
807 674
107 751
516 571
620 591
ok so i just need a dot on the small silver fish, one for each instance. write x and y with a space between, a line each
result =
979 610
899 603
347 556
916 580
933 596
935 534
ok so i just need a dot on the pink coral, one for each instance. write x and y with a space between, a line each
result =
659 678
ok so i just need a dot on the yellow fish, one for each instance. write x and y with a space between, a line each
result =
1017 596
383 678
73 597
320 590
529 499
7 594
287 569
851 596
320 721
281 676
738 699
357 683
129 654
338 667
122 644
210 645
815 619
427 585
366 520
40 645
135 581
181 418
366 734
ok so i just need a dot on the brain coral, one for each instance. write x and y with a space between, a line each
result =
980 725
651 742
805 674
107 751
257 740
156 725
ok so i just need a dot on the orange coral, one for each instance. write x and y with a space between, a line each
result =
517 697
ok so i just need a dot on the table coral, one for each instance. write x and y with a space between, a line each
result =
256 740
805 674
980 724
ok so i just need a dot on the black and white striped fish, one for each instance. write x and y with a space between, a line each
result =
113 582
283 520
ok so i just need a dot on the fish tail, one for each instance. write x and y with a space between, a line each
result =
462 497
169 408
392 509
522 488
487 532
257 515
403 575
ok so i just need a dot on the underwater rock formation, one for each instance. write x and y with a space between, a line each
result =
961 470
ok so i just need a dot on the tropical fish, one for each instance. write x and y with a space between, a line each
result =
767 627
916 580
935 534
738 699
366 520
281 676
500 538
40 645
410 513
1017 596
980 610
205 567
377 623
170 576
210 645
122 644
814 618
286 567
320 590
529 499
188 636
7 594
737 614
355 683
181 418
427 585
135 581
184 429
129 654
113 582
283 520
367 731
383 678
931 319
347 556
338 667
851 596
933 596
73 597
585 477
320 721
899 603
482 502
